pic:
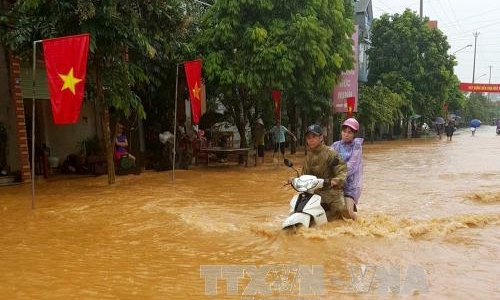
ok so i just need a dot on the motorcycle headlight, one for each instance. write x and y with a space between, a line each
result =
304 185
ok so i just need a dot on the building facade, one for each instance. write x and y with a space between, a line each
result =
363 18
24 98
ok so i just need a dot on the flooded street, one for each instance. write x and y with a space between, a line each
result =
429 212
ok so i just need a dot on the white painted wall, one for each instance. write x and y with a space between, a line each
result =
63 139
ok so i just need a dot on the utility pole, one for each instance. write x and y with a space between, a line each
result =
474 63
489 82
421 10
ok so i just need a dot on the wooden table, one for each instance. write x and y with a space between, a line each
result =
240 152
223 139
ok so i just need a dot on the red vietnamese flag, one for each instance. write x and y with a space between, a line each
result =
66 67
277 104
351 103
193 77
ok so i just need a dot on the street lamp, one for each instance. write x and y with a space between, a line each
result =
482 76
470 45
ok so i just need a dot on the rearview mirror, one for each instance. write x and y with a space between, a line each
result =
289 164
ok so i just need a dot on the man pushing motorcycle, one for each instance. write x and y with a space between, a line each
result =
324 162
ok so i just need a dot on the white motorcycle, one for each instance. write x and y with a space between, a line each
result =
305 207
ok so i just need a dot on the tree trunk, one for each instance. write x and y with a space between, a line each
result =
372 132
239 114
292 117
108 143
241 123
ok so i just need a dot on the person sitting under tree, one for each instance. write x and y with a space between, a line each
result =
121 144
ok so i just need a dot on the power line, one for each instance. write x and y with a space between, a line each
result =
447 19
455 15
393 9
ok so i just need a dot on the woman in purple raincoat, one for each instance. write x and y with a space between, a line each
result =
351 150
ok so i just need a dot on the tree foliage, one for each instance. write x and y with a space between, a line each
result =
411 59
478 106
251 47
124 34
378 104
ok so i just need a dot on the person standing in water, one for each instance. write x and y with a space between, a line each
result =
350 149
278 132
259 141
449 129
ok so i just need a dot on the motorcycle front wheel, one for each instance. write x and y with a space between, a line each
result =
292 229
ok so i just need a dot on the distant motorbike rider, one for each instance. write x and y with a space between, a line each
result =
324 162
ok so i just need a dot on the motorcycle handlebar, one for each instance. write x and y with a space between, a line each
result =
327 182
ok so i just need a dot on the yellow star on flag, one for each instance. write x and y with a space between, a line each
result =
69 81
196 91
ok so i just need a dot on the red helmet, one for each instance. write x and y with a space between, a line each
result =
352 123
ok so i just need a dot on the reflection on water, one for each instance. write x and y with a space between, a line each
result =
427 204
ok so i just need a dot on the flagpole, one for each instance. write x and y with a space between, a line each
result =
33 129
175 122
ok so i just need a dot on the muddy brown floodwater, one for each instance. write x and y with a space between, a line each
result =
428 229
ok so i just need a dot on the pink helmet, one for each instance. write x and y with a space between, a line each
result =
351 122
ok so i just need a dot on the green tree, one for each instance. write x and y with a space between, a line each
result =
378 105
477 106
411 59
456 100
252 47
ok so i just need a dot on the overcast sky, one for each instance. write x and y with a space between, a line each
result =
459 20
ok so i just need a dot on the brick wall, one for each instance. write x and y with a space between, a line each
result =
17 99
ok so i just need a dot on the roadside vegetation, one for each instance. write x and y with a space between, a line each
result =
248 48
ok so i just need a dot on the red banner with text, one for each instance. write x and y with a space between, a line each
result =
479 87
